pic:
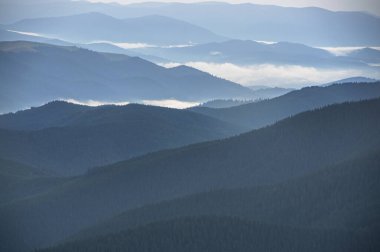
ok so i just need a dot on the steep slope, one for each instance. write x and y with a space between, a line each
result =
94 26
211 234
263 113
33 74
344 196
291 148
95 136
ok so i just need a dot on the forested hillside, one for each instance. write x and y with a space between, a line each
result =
210 234
95 136
267 156
260 114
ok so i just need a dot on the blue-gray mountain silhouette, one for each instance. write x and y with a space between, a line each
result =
33 74
248 52
221 234
262 157
6 35
266 112
94 136
311 26
350 183
368 55
89 27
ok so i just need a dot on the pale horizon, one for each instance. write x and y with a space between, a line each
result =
371 6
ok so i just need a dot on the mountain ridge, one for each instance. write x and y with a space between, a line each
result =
266 112
81 74
78 28
267 156
95 136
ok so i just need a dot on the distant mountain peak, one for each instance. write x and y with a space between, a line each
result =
356 79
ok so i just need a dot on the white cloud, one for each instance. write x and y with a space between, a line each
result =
215 53
27 33
170 103
177 46
343 51
94 103
273 75
127 45
266 42
124 44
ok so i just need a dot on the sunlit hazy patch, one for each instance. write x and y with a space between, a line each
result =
343 51
94 103
27 33
276 75
133 45
266 42
127 45
171 103
124 45
215 53
178 46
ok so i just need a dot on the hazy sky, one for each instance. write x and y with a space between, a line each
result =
362 5
372 6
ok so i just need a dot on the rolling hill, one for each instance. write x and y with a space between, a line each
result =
356 79
295 147
368 55
258 94
90 27
248 52
33 74
95 136
226 234
310 26
343 197
84 166
263 113
19 181
6 35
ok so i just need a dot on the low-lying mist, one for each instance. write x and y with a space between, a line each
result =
276 75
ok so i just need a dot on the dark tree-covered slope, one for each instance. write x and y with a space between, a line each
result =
291 148
259 114
217 234
345 196
68 139
52 114
18 181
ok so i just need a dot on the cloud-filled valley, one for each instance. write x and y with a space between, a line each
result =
277 75
246 62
